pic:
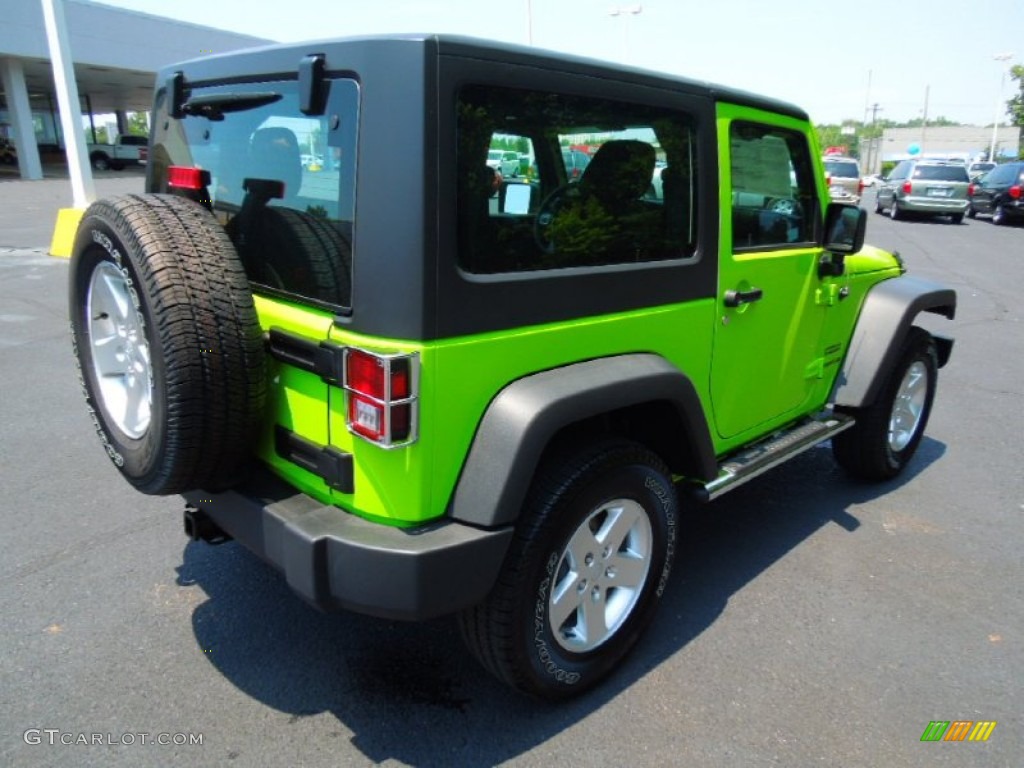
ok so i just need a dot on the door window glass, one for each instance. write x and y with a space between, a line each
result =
772 187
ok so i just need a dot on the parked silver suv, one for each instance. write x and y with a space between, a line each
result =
933 187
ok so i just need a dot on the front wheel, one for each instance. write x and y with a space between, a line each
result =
887 432
583 577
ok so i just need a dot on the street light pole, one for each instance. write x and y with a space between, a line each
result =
1001 58
626 11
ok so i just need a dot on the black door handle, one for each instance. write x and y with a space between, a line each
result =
738 298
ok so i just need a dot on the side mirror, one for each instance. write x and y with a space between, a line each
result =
844 233
844 228
515 198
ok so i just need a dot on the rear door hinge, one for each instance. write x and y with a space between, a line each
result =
327 462
325 359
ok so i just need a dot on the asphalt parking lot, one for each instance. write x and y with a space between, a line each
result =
810 620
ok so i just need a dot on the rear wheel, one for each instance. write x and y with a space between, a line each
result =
957 218
584 575
998 215
169 349
895 213
887 432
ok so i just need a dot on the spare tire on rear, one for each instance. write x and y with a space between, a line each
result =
167 342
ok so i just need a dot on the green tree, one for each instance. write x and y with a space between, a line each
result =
1015 106
138 123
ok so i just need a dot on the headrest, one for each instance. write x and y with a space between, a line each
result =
274 154
620 171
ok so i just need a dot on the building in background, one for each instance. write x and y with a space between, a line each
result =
116 56
965 142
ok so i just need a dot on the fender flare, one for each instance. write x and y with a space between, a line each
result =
522 419
888 312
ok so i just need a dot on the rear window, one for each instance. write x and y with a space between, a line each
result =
940 173
842 170
281 182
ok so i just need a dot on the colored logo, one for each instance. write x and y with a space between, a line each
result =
958 730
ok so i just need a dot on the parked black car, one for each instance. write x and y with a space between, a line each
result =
999 193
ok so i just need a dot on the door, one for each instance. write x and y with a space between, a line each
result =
769 324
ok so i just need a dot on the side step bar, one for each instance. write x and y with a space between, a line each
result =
783 445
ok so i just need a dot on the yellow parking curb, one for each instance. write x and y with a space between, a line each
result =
64 233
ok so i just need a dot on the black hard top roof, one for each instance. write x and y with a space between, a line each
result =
284 57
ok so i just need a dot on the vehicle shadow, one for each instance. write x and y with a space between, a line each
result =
410 692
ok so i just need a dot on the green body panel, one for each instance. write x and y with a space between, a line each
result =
459 378
766 354
776 360
296 399
755 367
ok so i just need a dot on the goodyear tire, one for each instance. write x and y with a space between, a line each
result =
887 433
168 347
584 575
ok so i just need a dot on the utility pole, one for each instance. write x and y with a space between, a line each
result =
924 122
1001 58
875 144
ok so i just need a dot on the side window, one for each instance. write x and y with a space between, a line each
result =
773 192
900 171
597 182
281 182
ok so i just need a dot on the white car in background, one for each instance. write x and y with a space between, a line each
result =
504 161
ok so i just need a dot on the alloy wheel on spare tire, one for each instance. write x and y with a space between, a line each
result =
167 342
585 572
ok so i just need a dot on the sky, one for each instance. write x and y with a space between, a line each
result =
835 59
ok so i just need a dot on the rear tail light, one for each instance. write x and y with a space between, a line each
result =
970 190
1014 191
907 187
381 393
860 186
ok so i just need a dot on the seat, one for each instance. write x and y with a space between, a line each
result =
620 173
274 156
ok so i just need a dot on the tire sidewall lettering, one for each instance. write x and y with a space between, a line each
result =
668 508
542 631
108 447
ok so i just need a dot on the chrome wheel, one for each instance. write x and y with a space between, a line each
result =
909 406
600 575
120 350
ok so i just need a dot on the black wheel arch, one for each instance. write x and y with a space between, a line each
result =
885 319
639 396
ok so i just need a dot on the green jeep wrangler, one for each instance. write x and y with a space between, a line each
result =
419 389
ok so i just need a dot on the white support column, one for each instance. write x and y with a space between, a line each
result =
82 188
21 119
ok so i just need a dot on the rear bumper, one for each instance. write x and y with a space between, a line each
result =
336 560
921 204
